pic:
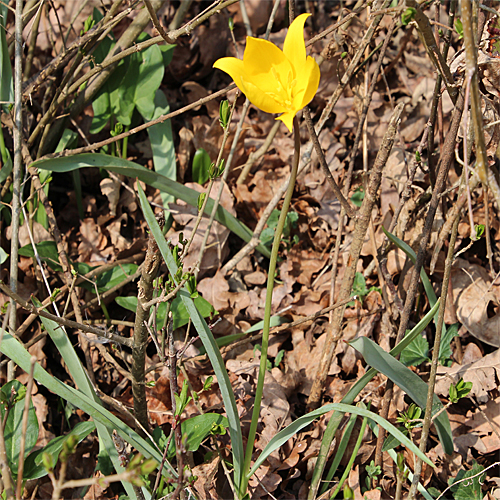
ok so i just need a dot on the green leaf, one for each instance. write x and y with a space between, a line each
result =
179 314
134 170
107 450
445 351
284 435
110 278
201 166
408 15
468 489
391 442
429 291
197 430
161 139
408 381
147 79
358 197
47 250
224 113
13 426
33 466
416 353
459 27
6 81
3 255
208 341
11 348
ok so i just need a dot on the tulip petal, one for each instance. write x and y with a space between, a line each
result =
260 59
307 83
233 67
287 119
260 99
294 47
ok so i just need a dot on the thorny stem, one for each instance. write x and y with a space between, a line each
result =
435 358
267 312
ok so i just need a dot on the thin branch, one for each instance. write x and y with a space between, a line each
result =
39 311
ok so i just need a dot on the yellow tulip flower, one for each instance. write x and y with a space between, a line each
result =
274 80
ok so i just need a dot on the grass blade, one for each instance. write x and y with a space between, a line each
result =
284 435
164 184
208 342
408 381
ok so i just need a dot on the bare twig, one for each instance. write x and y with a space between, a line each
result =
150 268
334 332
435 359
39 311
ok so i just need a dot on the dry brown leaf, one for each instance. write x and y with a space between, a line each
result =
215 290
475 299
92 243
118 241
111 189
205 482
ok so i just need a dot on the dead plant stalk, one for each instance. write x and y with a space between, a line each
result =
334 332
140 339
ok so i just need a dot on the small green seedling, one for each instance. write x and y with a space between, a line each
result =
410 418
182 400
359 289
373 472
459 390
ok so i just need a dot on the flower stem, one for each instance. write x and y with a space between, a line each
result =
267 311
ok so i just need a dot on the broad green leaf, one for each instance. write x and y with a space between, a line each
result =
284 435
33 466
110 278
101 104
179 313
201 166
47 250
416 353
13 429
162 142
3 255
154 179
208 341
197 429
468 489
353 392
445 351
147 80
408 381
